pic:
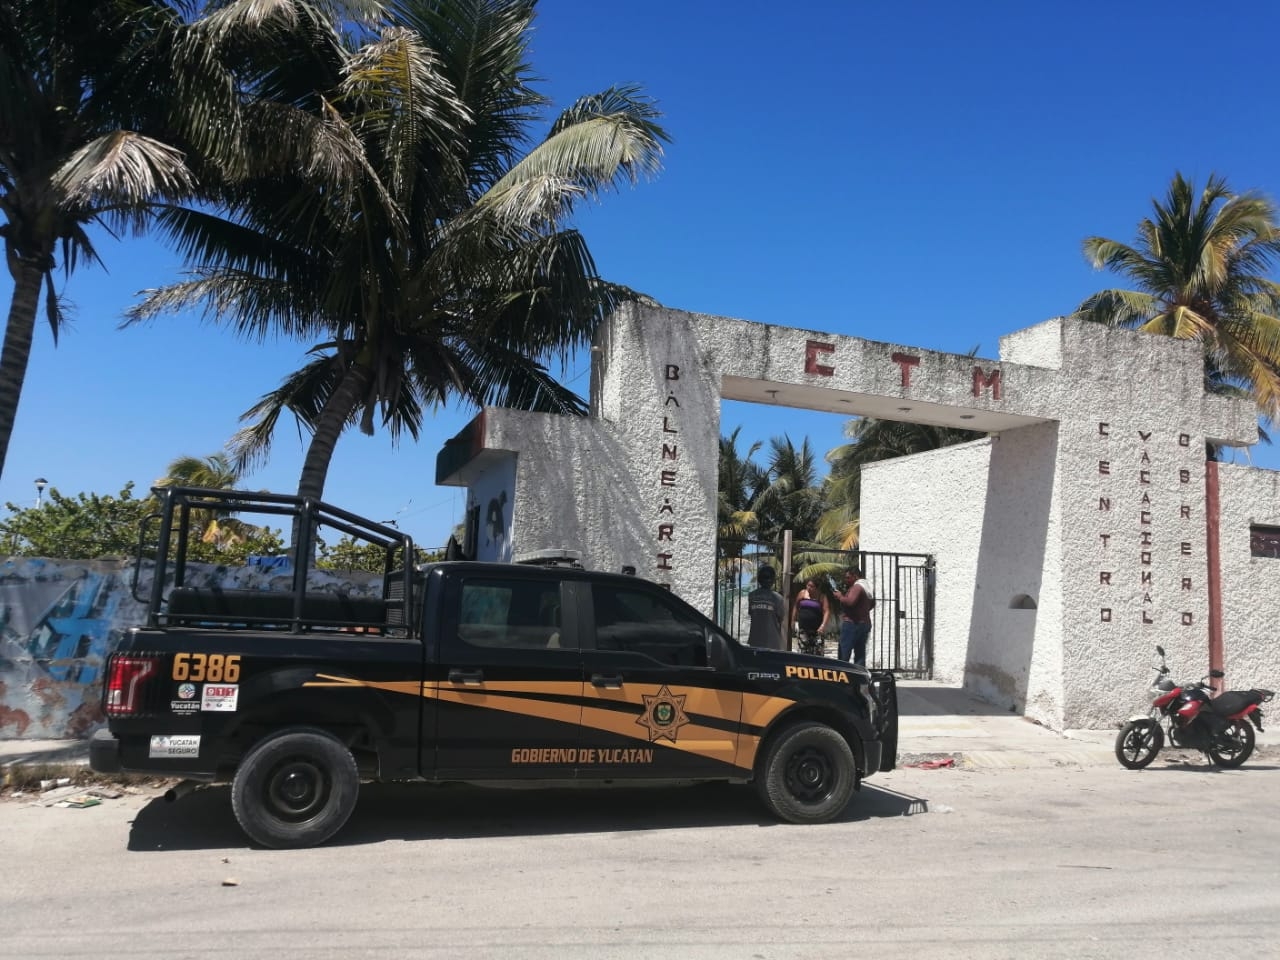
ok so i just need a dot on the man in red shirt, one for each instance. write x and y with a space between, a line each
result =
855 601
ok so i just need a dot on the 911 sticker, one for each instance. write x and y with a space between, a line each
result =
175 746
220 698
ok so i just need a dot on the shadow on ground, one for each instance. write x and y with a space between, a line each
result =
414 811
1173 761
950 701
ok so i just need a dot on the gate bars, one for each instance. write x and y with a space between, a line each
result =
903 583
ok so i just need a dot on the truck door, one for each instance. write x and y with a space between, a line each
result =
653 706
508 680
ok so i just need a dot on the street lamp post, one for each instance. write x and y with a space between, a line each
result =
41 483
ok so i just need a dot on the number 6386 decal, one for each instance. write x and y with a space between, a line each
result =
209 667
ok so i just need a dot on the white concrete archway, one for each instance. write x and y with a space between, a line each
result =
1089 493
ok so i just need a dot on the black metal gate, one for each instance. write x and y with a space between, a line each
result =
901 624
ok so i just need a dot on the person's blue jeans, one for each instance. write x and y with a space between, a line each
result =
853 640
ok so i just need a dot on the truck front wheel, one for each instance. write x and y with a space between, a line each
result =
808 774
295 788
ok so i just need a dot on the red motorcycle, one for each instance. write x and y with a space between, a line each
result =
1190 718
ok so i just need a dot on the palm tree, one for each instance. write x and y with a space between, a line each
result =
105 108
214 472
872 439
739 482
1198 264
792 497
445 268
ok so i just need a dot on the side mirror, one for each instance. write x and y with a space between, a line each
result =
717 652
1159 649
1217 674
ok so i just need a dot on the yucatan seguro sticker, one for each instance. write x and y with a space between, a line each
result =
187 745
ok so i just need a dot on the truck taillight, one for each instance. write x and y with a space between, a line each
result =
126 678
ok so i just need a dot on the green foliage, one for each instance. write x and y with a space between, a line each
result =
872 439
106 109
740 479
786 493
763 501
791 496
1200 265
351 554
84 527
214 472
247 541
89 526
399 213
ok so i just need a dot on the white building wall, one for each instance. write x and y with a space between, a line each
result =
1250 585
987 511
1016 634
942 518
494 495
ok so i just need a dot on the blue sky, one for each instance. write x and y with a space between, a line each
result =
917 173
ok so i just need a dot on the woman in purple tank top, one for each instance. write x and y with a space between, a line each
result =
811 615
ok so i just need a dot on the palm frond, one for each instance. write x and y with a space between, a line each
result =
1199 263
587 151
125 168
1118 308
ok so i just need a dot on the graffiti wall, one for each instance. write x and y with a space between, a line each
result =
59 619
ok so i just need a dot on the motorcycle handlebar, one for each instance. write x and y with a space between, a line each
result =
1163 670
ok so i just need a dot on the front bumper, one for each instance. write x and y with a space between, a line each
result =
871 750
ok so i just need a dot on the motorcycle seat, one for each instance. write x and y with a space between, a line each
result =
1233 701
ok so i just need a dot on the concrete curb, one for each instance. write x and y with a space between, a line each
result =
26 762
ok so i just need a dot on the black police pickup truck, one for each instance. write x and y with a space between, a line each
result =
460 671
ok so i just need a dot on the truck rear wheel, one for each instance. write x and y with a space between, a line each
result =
808 774
295 789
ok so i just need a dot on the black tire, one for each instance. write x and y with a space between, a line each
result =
295 789
1138 743
808 774
1234 745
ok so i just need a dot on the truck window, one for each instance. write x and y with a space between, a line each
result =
510 614
648 624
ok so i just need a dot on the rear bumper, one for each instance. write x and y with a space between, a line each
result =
110 754
104 752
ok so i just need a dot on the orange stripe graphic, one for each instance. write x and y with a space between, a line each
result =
739 750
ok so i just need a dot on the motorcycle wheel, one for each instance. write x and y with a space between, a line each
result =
1233 746
1138 743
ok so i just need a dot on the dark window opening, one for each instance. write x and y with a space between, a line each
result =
1264 541
511 614
646 624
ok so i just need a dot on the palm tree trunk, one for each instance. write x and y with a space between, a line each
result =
17 346
329 426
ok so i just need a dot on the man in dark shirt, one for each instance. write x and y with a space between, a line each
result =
767 610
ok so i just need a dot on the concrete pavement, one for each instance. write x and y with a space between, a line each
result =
937 722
